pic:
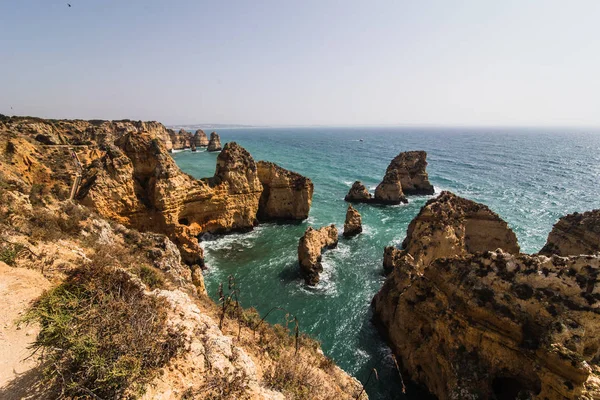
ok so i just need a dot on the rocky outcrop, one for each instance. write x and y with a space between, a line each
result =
496 326
448 226
200 138
353 224
180 140
411 167
137 183
215 142
389 191
286 195
358 193
574 234
310 247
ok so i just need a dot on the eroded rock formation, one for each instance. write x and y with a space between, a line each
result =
411 167
180 140
389 191
137 183
200 138
353 224
496 326
286 195
310 248
358 193
448 226
574 234
215 142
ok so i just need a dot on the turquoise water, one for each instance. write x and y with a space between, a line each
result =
530 177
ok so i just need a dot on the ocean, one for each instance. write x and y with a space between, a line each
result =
530 177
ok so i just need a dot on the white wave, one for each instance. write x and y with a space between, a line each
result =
348 183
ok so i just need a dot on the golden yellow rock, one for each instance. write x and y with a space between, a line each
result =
310 247
574 234
286 195
353 224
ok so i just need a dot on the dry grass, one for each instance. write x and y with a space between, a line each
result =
101 335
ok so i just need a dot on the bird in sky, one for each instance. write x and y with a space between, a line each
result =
68 4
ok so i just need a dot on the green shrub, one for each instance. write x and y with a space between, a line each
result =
9 252
101 335
151 276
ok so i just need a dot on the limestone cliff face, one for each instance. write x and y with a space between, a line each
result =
200 138
286 195
574 234
389 191
358 193
411 167
451 226
496 325
310 247
353 224
138 183
215 142
180 140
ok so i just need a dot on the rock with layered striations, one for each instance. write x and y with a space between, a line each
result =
180 140
286 195
137 183
358 193
574 234
200 139
406 175
496 326
353 224
389 191
448 226
215 142
310 248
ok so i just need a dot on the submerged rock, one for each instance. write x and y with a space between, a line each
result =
448 226
215 142
200 138
353 224
286 195
358 193
574 234
494 325
310 247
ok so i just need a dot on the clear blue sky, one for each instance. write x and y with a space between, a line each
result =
304 62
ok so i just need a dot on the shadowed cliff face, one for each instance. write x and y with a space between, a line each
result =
574 234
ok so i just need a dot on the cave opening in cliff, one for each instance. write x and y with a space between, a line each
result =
511 388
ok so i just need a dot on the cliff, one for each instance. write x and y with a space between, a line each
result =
411 167
574 234
200 138
215 142
448 226
496 325
147 323
286 195
472 322
310 247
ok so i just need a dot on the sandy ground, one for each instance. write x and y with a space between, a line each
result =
18 288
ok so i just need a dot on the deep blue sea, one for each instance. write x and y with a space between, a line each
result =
530 177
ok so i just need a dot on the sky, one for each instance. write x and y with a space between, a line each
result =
421 62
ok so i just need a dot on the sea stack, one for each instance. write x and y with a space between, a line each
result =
406 175
286 195
215 142
200 138
358 193
310 247
574 234
353 224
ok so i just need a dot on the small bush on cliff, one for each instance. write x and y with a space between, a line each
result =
101 335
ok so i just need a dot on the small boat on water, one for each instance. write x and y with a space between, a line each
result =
360 140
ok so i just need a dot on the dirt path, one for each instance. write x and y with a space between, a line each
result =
18 288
